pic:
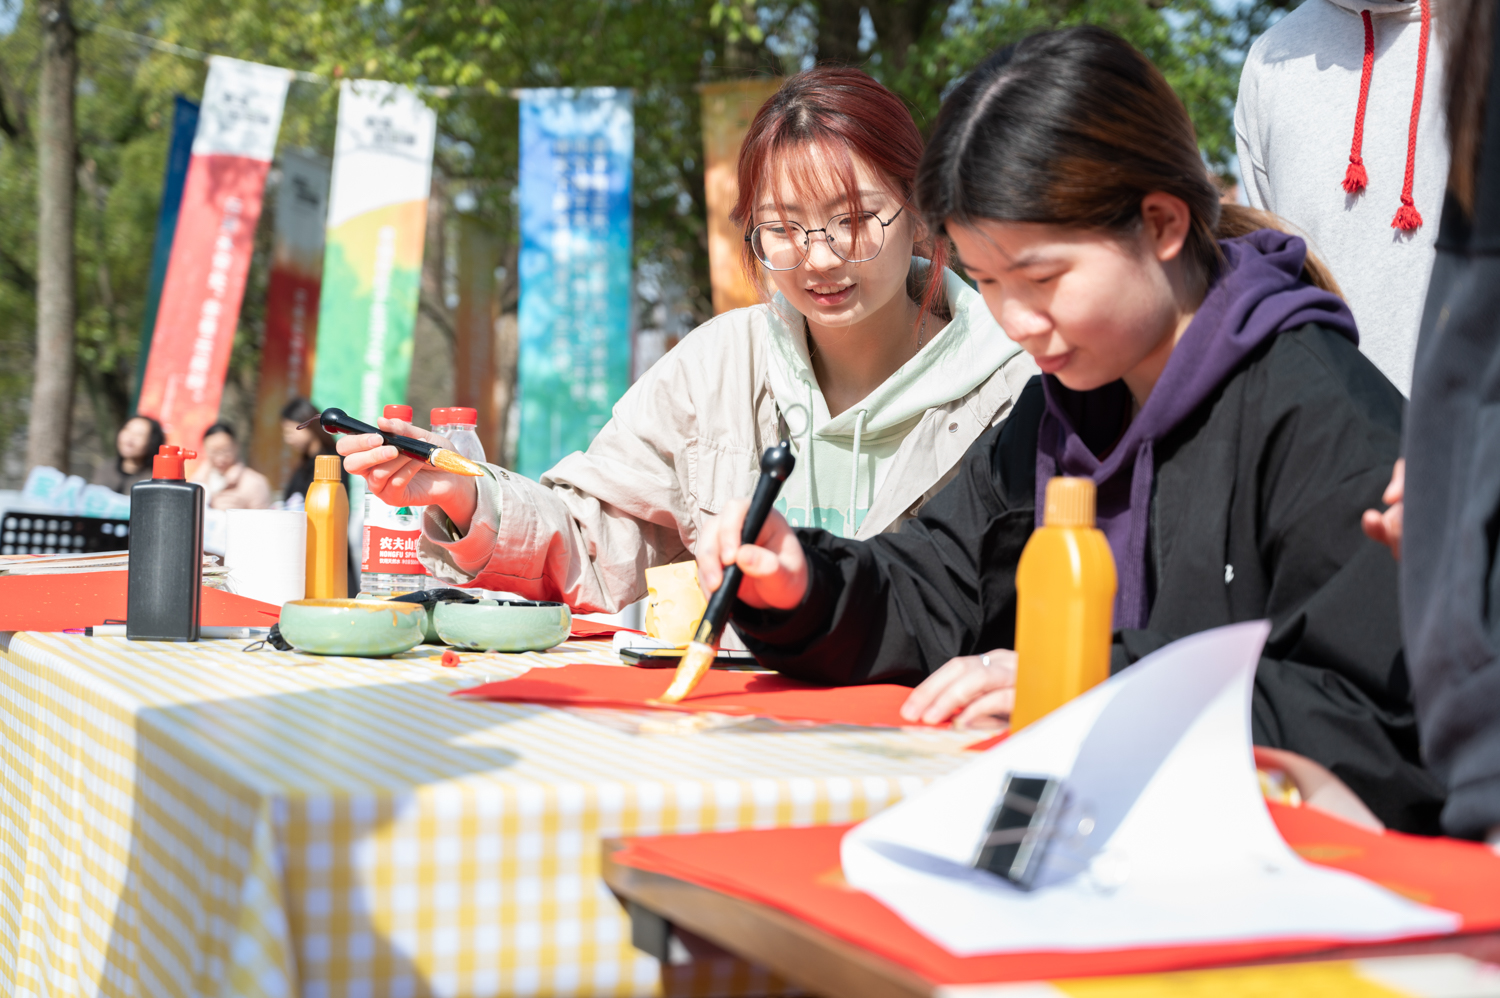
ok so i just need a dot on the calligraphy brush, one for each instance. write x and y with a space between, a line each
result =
775 467
339 421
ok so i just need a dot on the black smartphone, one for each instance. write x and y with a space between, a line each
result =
670 658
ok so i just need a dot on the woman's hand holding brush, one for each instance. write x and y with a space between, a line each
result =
774 566
400 480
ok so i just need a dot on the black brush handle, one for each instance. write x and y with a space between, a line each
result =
775 467
339 421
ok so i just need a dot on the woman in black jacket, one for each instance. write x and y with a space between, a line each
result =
1211 389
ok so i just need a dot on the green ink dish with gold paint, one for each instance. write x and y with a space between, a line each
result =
362 628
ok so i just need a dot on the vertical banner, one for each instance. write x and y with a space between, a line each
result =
291 305
372 266
184 125
200 301
475 330
576 148
728 109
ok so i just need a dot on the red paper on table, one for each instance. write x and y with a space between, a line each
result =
797 871
594 629
84 599
754 694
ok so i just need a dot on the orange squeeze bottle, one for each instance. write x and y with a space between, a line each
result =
327 530
1065 590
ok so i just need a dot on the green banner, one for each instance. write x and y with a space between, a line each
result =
372 263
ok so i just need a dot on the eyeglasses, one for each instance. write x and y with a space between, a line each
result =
854 237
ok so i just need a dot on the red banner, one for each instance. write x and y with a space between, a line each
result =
200 303
291 306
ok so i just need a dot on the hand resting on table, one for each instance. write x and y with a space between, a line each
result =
399 480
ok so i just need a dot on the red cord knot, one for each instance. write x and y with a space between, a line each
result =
450 658
1407 219
1355 178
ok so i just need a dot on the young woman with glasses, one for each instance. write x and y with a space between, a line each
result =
880 364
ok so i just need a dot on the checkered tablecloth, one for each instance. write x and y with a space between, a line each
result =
184 820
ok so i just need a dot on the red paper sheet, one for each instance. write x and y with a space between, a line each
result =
594 629
747 693
83 599
797 870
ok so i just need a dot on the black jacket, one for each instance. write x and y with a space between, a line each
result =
1450 569
1255 515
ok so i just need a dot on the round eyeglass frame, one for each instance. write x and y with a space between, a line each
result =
807 235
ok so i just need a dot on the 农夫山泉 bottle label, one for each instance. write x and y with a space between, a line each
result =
391 552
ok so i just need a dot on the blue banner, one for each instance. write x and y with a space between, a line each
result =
184 127
576 149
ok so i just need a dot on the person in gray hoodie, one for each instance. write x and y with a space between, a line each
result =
880 364
1339 130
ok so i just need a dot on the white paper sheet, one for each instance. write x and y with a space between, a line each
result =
1182 848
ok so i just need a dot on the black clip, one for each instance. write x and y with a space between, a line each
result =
1021 827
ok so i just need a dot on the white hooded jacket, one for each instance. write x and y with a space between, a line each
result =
1294 129
688 436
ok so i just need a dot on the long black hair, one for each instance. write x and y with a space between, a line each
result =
1074 128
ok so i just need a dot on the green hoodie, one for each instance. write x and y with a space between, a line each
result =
841 461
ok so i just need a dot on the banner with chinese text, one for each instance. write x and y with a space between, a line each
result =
728 109
200 303
291 305
179 154
372 265
575 268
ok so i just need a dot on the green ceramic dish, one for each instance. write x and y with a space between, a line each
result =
509 625
365 628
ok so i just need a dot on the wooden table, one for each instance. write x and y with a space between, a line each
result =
661 906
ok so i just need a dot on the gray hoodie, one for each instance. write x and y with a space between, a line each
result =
1294 129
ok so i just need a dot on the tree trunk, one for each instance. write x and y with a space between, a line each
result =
50 418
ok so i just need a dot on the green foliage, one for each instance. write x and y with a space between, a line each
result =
469 58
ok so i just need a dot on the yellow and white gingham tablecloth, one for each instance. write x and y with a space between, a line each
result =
190 819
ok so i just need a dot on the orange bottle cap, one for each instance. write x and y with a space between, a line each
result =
328 468
169 461
454 414
1070 503
398 412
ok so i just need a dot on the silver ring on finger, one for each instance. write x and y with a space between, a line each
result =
984 661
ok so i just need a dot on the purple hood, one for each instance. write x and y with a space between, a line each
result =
1258 293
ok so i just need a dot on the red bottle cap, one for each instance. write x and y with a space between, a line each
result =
398 412
168 462
454 414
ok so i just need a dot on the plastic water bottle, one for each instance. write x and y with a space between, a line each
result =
388 562
458 423
1065 604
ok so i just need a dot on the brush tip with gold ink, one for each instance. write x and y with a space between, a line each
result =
448 460
690 671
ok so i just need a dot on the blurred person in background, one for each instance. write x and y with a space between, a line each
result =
306 444
136 443
1339 130
228 482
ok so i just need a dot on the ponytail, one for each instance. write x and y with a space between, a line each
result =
1237 220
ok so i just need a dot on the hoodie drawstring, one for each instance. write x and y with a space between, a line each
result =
808 450
859 424
1355 178
1407 219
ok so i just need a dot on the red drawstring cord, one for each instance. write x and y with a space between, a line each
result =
1355 177
1407 218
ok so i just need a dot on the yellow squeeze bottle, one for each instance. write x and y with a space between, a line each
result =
1065 589
327 530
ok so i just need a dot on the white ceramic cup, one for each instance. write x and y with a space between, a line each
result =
266 554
